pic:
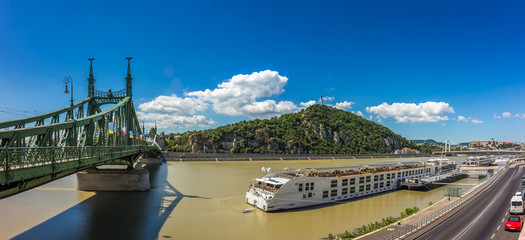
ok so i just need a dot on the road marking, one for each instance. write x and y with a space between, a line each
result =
460 234
498 228
502 219
493 236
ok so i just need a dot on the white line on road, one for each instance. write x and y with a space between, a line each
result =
493 236
502 219
480 215
498 228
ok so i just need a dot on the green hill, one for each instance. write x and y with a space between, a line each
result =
317 129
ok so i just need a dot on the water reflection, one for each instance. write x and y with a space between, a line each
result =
115 215
195 200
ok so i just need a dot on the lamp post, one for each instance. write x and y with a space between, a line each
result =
67 80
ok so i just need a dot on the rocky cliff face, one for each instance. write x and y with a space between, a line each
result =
318 129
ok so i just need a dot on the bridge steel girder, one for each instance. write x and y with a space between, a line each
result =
77 140
50 160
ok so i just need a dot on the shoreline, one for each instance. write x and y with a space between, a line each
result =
218 157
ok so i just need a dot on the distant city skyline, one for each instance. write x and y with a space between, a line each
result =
442 70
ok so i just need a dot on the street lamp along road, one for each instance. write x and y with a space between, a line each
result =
67 80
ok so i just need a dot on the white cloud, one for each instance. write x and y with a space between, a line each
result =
509 115
238 95
344 105
308 104
328 99
411 112
475 121
462 119
167 121
359 113
174 105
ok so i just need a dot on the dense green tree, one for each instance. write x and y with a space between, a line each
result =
318 129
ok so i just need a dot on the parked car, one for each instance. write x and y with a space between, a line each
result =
514 223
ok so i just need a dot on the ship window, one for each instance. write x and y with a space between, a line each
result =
376 177
277 186
325 194
304 195
334 183
345 191
352 190
352 181
367 187
344 182
361 188
368 178
333 193
362 180
381 177
376 185
381 184
309 194
398 174
307 187
300 187
388 183
388 176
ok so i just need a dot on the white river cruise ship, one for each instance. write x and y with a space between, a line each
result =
308 187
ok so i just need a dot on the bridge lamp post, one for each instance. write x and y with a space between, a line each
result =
67 80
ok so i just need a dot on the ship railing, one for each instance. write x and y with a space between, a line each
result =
268 189
360 172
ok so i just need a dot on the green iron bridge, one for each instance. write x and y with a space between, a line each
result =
42 148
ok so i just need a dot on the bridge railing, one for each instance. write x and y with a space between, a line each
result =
20 163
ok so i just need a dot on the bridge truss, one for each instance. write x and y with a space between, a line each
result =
72 138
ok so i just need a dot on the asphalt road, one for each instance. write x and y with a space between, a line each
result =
485 216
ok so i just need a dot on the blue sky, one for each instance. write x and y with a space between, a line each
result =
425 69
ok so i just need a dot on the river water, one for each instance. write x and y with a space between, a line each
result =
194 200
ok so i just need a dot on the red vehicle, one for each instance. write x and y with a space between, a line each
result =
514 223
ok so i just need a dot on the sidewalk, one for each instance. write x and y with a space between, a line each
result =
384 232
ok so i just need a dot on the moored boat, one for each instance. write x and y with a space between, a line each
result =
314 186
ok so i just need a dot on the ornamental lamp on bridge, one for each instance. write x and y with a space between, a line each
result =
68 79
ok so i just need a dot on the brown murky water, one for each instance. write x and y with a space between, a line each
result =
193 200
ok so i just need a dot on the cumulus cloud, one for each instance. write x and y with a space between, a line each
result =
238 95
328 99
308 104
509 115
168 121
469 119
174 105
411 112
462 119
475 121
359 113
344 105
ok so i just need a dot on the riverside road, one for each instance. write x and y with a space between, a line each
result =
484 217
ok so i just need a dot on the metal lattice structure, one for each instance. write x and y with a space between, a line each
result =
73 138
